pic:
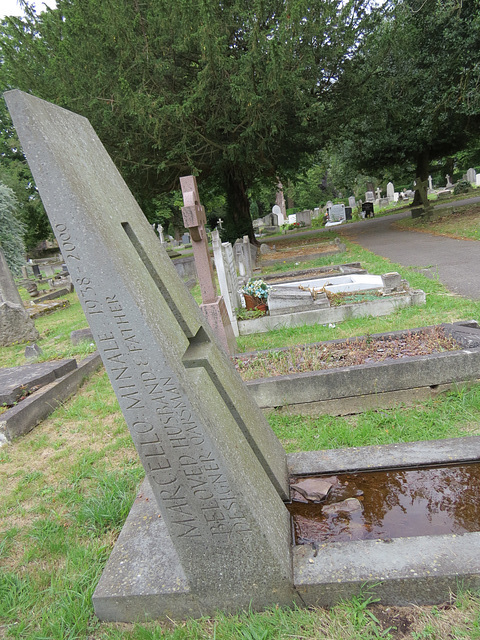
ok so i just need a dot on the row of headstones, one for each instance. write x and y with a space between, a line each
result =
277 219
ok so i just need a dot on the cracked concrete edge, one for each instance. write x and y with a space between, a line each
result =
22 418
367 402
406 454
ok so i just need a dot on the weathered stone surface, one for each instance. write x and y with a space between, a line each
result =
81 335
349 505
293 300
16 381
402 571
32 351
16 326
313 489
216 469
24 416
467 334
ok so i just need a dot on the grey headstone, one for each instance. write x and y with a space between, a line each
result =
216 469
265 248
32 351
390 191
337 213
305 217
351 202
472 176
81 335
369 196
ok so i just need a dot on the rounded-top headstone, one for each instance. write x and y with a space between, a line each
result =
276 210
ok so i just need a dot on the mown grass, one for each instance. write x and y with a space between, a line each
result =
462 222
67 486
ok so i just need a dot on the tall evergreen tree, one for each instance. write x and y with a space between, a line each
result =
414 86
234 92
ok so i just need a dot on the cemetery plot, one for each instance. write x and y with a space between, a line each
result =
210 529
426 361
348 353
298 251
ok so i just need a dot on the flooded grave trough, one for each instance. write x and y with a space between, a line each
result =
387 504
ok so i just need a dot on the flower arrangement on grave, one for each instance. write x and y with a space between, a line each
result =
257 289
255 293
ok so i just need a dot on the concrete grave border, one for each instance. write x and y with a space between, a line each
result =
354 389
403 571
380 307
23 417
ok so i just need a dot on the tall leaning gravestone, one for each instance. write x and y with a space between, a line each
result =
215 468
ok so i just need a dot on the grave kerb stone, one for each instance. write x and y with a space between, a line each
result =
216 469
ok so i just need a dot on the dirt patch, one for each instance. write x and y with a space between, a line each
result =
397 621
290 250
351 352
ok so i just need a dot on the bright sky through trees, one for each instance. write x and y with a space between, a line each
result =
12 7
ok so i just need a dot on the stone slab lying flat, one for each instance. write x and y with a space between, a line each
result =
15 381
414 570
379 307
373 384
301 274
24 416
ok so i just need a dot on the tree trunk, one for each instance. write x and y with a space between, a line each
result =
239 221
422 172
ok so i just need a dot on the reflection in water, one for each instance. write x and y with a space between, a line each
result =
397 503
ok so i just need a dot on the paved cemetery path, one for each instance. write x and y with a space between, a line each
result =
456 263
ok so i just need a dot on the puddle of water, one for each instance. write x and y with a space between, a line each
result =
393 504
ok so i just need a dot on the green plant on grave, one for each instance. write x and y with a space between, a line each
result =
462 186
249 314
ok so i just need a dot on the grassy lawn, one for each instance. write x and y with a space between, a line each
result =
68 485
455 222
